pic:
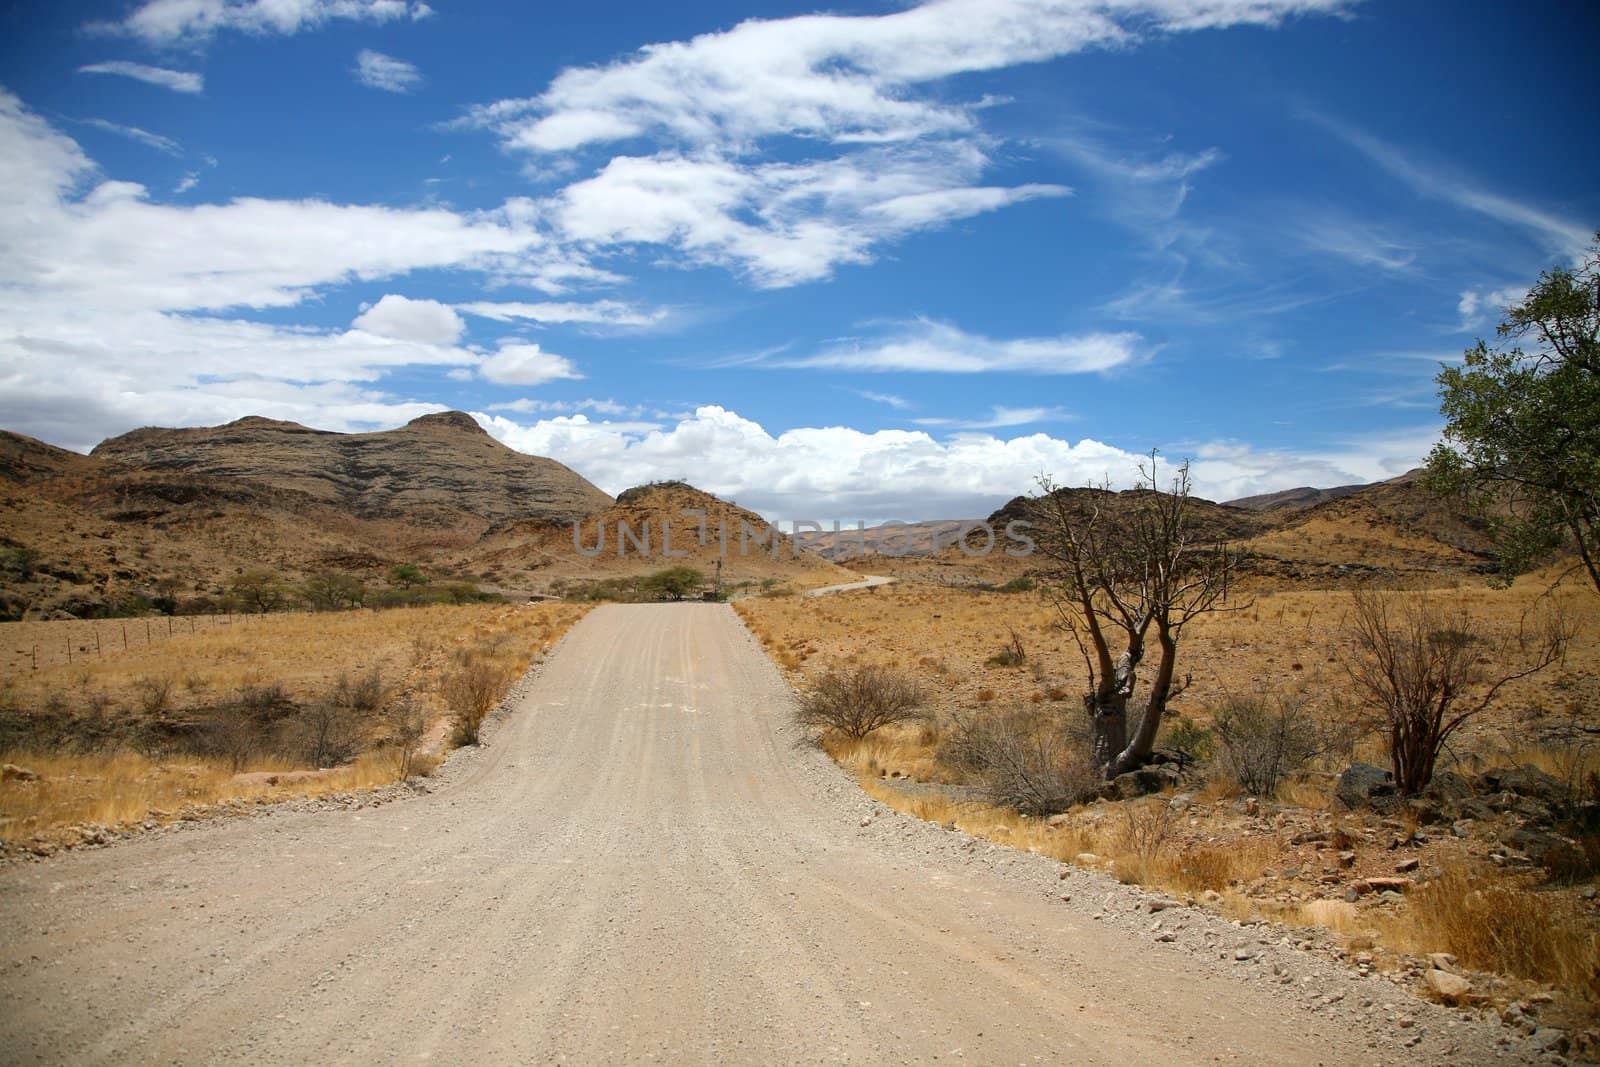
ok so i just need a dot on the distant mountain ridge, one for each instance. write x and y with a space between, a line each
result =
1303 497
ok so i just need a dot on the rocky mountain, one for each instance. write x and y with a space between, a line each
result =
441 465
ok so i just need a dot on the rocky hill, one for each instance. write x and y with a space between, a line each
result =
185 510
1303 497
614 542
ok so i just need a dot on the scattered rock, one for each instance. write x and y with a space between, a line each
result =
1407 865
1086 859
1548 1039
1524 781
1450 988
12 773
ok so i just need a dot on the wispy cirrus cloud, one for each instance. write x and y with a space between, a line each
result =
195 22
179 81
930 346
1561 235
593 313
135 133
1000 417
378 71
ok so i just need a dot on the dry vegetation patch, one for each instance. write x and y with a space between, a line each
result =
272 707
990 756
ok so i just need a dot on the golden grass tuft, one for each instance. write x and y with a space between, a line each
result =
1503 923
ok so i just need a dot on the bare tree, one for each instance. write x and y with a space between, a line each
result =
1424 670
1128 566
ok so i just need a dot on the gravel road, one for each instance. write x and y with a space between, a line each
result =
644 864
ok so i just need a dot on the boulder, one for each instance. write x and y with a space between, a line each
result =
1525 781
1140 783
1365 786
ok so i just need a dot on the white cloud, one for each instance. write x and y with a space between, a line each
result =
422 321
134 133
899 403
180 81
170 22
846 79
828 472
117 312
1477 306
780 223
999 418
930 346
526 405
596 312
518 363
881 155
378 71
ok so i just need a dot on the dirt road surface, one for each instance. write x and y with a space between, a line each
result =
644 866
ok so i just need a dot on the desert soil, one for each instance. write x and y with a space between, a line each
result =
644 863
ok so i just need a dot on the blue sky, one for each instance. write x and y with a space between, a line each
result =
879 262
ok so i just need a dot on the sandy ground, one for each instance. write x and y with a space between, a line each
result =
644 864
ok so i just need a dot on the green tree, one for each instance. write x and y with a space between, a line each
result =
334 590
259 590
406 575
1522 437
674 583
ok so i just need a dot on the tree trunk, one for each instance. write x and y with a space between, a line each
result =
1137 752
1108 712
1109 736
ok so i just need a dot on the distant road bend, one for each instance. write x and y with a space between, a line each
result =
641 865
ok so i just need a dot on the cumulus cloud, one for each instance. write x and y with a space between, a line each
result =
826 472
939 347
116 311
517 363
180 81
170 22
401 318
378 71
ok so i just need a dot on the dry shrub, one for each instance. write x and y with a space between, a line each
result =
1506 924
471 689
1266 740
407 723
854 703
1020 759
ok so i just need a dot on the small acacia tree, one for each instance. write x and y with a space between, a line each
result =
1424 670
674 583
1128 567
1522 437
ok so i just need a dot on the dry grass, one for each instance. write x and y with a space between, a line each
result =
1503 923
302 657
